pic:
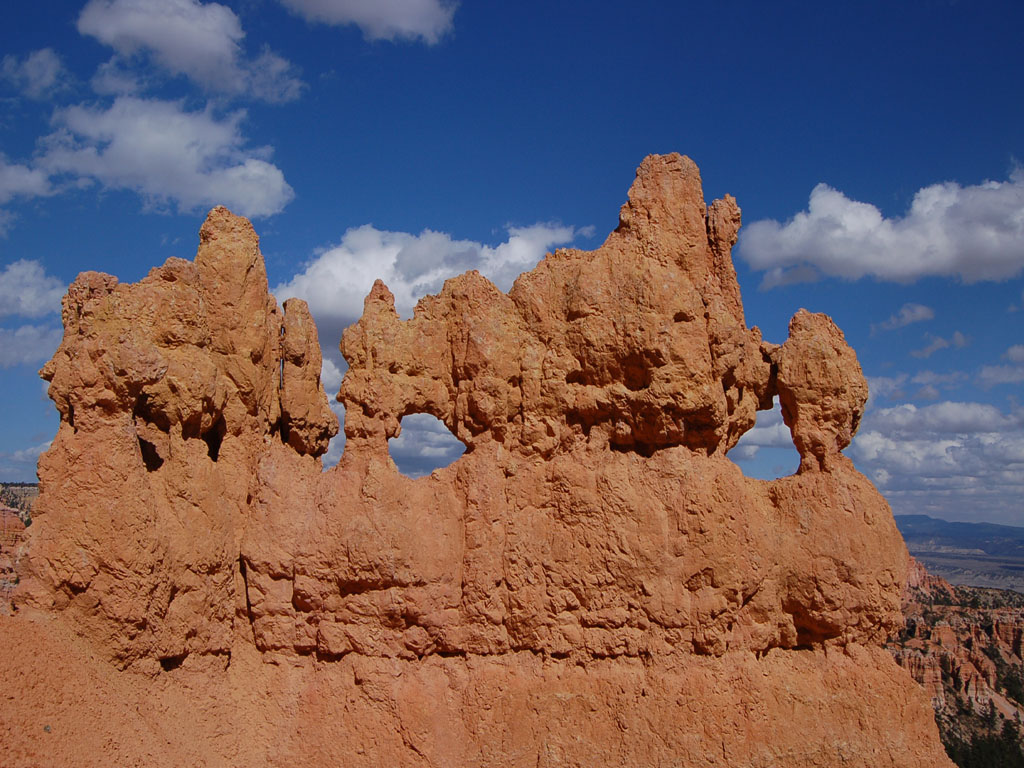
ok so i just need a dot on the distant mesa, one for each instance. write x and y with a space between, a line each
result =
592 582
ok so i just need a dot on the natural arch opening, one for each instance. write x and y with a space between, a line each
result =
767 451
424 445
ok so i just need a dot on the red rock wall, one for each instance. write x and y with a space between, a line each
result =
593 582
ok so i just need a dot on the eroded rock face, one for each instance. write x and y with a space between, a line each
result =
594 544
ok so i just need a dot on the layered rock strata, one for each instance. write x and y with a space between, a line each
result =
593 582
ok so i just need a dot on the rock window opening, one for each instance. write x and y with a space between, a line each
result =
424 445
767 451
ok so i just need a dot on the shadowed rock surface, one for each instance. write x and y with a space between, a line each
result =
593 582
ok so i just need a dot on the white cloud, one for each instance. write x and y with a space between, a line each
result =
909 313
28 344
991 375
16 181
330 377
37 75
942 419
957 340
336 282
26 290
428 20
116 78
165 153
21 181
886 386
31 454
1015 354
954 460
943 380
201 41
424 445
769 432
974 233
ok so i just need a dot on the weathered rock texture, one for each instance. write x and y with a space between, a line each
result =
593 583
963 645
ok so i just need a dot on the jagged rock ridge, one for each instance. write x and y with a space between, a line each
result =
594 558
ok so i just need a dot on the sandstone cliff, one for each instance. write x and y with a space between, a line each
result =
594 582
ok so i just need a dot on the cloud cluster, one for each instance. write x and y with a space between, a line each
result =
909 313
18 180
427 20
26 290
993 375
424 445
929 384
202 41
971 232
37 76
952 459
166 154
935 343
336 282
28 344
769 432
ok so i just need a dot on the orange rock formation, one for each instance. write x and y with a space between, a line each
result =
594 582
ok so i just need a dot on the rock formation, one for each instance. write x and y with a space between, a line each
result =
594 582
963 645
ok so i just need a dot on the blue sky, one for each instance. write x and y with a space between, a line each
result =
875 149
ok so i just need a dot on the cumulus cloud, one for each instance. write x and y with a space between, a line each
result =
941 380
201 41
974 233
166 154
769 432
886 386
992 375
21 181
116 78
26 290
957 340
330 376
37 75
28 344
909 313
948 418
32 453
929 385
336 281
427 20
424 445
949 459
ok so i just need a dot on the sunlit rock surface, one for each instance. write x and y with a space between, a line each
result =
594 582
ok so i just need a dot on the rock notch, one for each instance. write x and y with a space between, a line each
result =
593 582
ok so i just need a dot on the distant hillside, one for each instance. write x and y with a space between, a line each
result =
976 554
21 497
963 645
